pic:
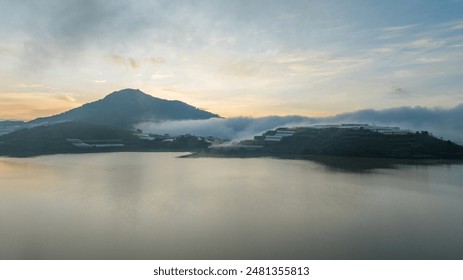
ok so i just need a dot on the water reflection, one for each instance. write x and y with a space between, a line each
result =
347 164
159 206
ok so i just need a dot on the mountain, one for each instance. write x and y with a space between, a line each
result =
127 107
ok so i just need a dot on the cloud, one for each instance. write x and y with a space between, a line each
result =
33 86
457 26
399 90
426 60
73 24
37 56
161 75
399 28
425 43
54 32
26 106
233 128
154 60
133 63
444 123
402 74
124 61
290 58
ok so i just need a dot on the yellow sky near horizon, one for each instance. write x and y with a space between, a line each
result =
232 58
28 106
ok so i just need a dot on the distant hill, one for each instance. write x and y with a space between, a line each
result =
347 143
9 126
11 123
52 139
125 108
367 143
78 137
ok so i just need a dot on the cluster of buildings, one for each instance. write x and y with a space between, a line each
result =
280 133
277 135
391 130
116 143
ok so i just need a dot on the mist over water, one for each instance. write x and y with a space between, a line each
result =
159 206
445 123
232 129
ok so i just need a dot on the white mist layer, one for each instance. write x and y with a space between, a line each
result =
233 129
445 123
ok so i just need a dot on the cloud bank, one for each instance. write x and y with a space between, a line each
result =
233 129
445 123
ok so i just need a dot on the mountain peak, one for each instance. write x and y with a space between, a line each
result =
129 93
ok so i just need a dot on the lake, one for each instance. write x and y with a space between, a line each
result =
161 206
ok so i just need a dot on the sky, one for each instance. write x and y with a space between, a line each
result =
234 58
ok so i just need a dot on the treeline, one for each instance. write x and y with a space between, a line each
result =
364 143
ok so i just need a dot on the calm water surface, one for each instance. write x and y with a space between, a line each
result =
159 206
